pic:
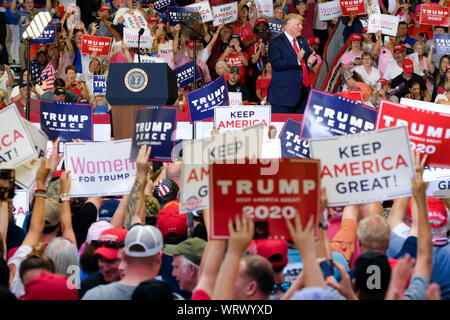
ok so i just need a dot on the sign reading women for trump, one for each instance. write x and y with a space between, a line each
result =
239 189
185 74
131 38
67 120
155 126
292 146
238 117
434 15
99 45
327 115
429 130
385 22
365 167
201 102
352 6
204 9
442 43
47 36
99 168
16 143
329 10
225 13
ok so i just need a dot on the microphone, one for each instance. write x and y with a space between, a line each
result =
141 31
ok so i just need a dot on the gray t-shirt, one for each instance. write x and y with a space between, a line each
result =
70 96
111 291
417 289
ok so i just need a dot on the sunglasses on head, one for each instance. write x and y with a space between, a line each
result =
108 244
283 287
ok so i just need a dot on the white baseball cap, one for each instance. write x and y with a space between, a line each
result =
149 238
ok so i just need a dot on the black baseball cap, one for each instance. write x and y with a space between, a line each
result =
59 91
235 69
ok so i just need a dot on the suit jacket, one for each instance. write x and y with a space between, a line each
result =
287 76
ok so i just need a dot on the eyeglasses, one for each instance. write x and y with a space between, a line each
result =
283 287
108 244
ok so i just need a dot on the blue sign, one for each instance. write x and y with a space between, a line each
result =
201 102
66 120
47 36
162 5
185 74
179 13
442 43
99 84
275 26
155 126
327 114
292 146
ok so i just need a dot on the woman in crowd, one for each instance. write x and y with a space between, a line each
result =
383 50
438 73
442 88
77 87
355 82
222 69
352 57
414 92
243 25
368 42
368 73
235 56
164 47
263 82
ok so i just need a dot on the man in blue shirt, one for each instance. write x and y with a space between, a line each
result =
402 35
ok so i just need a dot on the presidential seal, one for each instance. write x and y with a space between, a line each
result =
136 80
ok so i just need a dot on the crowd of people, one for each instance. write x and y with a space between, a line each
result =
139 246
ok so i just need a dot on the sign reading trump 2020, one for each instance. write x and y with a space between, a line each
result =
240 189
16 143
327 115
66 120
430 14
99 168
185 74
429 130
292 146
365 167
352 6
155 126
99 45
237 117
201 102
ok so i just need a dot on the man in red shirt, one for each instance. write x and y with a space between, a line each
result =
420 32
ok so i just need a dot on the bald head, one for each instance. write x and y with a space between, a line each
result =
173 172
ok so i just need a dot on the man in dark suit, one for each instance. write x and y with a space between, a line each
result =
290 57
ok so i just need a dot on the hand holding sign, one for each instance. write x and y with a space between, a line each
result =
419 187
64 181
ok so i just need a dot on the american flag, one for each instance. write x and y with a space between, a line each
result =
47 74
164 187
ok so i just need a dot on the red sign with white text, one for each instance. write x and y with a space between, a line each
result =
434 15
352 6
268 199
429 131
91 44
354 95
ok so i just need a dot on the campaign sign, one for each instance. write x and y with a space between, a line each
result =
197 154
131 37
372 7
327 115
231 118
162 5
292 146
385 22
47 36
133 19
176 14
434 15
438 180
265 7
185 74
235 98
329 10
365 167
16 143
442 43
99 84
429 131
21 206
99 45
155 127
99 168
67 120
352 6
225 13
148 59
354 95
240 189
275 26
201 102
204 9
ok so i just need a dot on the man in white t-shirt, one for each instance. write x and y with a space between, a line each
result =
394 68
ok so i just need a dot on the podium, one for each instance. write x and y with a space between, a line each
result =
131 86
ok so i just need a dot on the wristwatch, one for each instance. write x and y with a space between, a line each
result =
324 225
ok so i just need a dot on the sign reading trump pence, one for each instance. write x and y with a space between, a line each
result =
155 126
240 189
365 167
99 168
292 146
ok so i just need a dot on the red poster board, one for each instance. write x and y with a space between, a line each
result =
429 131
352 6
91 44
354 95
237 189
434 15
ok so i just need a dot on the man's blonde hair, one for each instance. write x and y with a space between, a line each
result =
291 16
374 233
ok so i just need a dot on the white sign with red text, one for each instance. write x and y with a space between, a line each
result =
385 22
131 37
204 9
265 8
21 204
230 118
329 10
225 13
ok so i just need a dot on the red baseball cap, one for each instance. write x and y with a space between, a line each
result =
437 213
49 286
399 47
313 40
356 37
383 81
408 66
152 19
364 30
105 7
171 221
191 44
261 20
276 251
113 235
160 24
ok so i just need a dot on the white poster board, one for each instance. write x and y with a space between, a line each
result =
386 23
225 13
329 10
131 36
230 118
204 9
